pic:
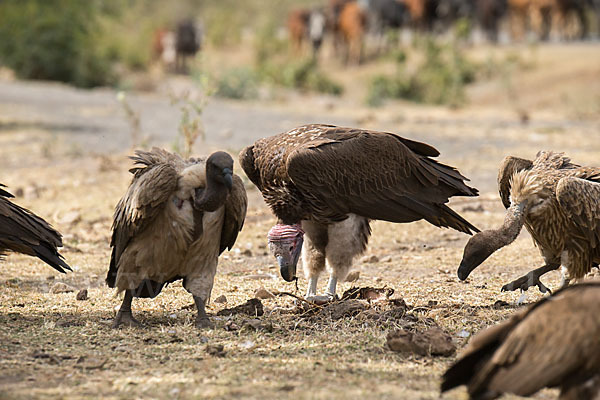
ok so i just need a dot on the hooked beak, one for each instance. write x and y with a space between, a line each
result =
228 177
287 254
465 268
287 269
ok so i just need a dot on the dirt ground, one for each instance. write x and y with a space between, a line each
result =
63 153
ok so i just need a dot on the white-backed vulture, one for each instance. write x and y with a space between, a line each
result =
175 220
24 232
553 343
330 182
559 204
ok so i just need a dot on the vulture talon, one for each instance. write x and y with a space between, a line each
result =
125 318
525 282
204 323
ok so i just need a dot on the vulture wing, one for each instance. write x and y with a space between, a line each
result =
528 352
377 175
155 179
24 232
235 214
579 199
510 165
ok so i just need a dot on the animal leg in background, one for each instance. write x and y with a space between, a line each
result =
531 279
124 316
202 320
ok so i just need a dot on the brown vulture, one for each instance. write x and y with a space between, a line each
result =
24 232
553 343
559 204
175 220
330 182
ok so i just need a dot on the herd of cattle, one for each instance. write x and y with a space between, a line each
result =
350 21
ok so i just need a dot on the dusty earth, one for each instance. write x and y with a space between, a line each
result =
63 153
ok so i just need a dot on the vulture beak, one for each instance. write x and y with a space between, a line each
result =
228 177
287 253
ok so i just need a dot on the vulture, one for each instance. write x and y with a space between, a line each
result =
329 182
173 222
559 204
24 232
554 343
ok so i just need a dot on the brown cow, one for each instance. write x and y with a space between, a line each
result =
297 24
422 13
351 26
541 16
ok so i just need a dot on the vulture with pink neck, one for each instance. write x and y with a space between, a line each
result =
325 183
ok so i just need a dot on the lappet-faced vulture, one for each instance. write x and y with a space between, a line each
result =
24 232
553 343
559 204
330 182
175 220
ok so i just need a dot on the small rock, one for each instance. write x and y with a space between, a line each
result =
263 294
370 259
82 294
258 277
433 341
19 192
353 276
500 304
248 345
258 325
60 287
88 363
216 350
221 299
252 307
71 217
386 259
247 253
463 333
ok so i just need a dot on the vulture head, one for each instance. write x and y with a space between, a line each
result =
483 244
285 243
219 181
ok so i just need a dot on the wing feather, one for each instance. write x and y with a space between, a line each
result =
155 179
24 232
235 214
580 200
377 175
509 166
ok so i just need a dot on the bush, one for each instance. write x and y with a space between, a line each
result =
238 83
53 40
274 65
439 79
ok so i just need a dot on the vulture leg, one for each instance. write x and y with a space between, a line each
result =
124 316
313 257
531 279
202 320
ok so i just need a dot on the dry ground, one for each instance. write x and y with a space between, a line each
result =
52 345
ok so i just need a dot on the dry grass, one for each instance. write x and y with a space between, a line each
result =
52 345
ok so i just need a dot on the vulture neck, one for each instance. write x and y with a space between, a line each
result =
212 196
510 229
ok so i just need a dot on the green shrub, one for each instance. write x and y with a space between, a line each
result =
237 83
440 78
53 39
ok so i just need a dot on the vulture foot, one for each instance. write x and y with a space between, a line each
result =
204 323
525 282
319 300
125 318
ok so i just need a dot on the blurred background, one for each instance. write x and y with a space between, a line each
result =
193 74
